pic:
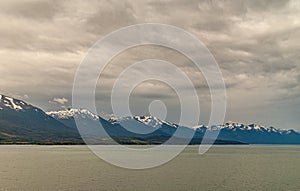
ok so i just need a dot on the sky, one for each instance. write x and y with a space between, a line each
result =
255 43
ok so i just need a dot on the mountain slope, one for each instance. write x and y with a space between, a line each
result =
111 126
22 122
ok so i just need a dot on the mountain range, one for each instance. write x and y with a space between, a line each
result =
21 122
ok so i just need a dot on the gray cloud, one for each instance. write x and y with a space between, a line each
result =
35 10
256 44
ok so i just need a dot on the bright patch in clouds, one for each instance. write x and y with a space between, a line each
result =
61 101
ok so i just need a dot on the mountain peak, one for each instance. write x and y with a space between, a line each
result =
234 126
73 113
12 103
145 119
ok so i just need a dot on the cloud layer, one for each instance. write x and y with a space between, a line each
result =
256 44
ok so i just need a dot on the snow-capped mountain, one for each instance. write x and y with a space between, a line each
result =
20 121
252 133
9 103
73 113
89 121
234 126
147 124
146 120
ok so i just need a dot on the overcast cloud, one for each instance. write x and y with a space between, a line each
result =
256 44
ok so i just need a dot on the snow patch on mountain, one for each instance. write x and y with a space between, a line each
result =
12 104
8 102
147 120
73 113
234 126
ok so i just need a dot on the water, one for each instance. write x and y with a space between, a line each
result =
222 168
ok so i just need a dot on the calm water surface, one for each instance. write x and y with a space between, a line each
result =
222 168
